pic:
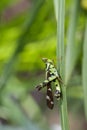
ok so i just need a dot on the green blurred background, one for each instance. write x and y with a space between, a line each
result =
28 32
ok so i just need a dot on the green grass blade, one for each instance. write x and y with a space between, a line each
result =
60 55
72 92
84 69
56 8
30 126
21 43
72 50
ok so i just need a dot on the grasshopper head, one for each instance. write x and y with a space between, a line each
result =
46 61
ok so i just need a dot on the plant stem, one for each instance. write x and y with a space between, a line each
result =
60 64
72 50
84 68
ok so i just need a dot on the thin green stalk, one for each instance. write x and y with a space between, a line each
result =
20 45
60 63
84 69
73 49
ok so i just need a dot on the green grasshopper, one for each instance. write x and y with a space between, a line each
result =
51 76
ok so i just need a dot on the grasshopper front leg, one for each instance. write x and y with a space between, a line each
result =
45 82
42 85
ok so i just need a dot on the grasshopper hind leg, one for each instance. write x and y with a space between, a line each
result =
49 97
57 93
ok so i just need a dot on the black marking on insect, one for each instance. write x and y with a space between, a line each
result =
51 76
